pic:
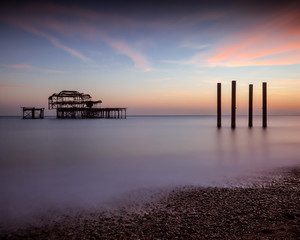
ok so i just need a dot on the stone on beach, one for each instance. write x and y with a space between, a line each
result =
266 212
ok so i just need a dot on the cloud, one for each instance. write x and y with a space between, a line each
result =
17 66
123 48
91 32
273 39
20 66
95 24
272 42
54 41
28 24
67 49
84 29
28 67
268 34
193 45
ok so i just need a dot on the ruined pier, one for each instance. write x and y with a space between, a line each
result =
91 112
33 113
73 104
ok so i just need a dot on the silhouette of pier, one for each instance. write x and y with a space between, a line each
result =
73 104
264 100
91 112
250 114
233 105
33 113
219 109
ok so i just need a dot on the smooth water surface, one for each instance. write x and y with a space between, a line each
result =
57 164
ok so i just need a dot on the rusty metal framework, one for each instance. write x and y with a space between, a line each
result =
73 104
71 99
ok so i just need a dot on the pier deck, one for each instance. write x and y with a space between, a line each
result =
91 113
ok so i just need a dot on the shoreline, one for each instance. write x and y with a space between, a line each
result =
269 211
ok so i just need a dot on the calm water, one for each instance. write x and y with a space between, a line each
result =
52 164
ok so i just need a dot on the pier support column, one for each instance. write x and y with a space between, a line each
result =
33 113
264 103
233 103
250 121
219 105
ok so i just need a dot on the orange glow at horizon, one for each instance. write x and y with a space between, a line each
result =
281 96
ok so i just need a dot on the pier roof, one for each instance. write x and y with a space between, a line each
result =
71 99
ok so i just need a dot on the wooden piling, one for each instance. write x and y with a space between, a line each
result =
233 103
250 121
264 103
219 105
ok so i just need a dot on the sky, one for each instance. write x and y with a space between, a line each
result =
153 58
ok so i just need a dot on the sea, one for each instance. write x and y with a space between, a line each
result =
56 166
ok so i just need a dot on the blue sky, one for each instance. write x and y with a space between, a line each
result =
154 58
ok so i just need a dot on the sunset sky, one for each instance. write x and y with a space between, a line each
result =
154 58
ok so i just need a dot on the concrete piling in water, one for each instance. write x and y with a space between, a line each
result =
233 103
250 120
264 104
219 124
33 113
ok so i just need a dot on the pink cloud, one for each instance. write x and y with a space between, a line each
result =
93 33
87 23
67 49
24 66
27 25
272 42
139 60
81 28
17 66
20 66
273 39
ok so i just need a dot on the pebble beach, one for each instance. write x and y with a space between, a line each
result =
270 211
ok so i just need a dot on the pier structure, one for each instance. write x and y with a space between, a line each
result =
219 109
250 112
73 104
264 104
233 105
33 113
91 112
